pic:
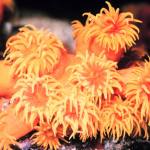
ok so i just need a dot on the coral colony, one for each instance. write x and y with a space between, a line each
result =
61 95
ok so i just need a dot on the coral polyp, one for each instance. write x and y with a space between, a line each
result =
34 96
45 136
76 113
118 30
118 119
109 31
33 51
138 89
96 76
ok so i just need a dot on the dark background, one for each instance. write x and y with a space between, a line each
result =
69 9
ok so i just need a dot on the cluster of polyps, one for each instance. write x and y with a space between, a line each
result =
62 95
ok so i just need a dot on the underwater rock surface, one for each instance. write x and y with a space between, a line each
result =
94 144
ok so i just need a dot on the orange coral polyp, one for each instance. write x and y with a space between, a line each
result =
138 89
96 76
118 119
33 51
109 30
34 96
77 113
45 136
117 30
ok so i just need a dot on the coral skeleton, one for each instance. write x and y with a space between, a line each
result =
61 95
